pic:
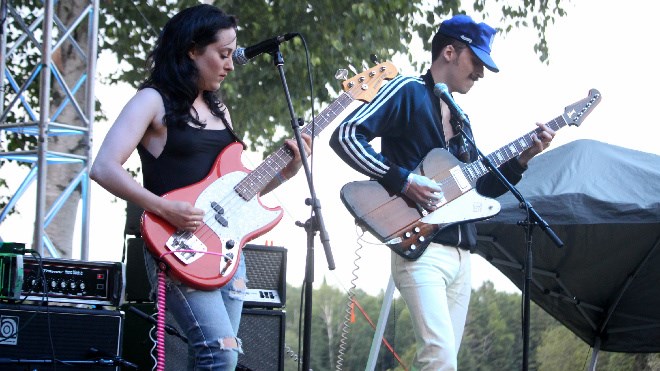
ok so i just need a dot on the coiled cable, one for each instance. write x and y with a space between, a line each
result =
349 311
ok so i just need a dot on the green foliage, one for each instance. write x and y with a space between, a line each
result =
561 350
337 34
335 336
492 339
491 336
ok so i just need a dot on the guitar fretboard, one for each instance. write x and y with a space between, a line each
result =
257 180
477 169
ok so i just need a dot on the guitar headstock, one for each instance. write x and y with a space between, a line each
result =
365 85
576 112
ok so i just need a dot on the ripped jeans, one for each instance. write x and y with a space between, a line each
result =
209 319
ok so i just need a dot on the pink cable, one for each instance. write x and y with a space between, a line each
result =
160 326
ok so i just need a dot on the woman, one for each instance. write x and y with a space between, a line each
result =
179 126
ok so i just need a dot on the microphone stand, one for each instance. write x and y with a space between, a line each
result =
315 223
105 360
533 219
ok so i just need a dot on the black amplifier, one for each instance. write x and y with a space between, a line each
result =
73 281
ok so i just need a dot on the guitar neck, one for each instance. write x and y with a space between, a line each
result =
477 169
257 180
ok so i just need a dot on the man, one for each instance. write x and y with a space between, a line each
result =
411 120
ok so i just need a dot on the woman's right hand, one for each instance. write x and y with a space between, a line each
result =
181 215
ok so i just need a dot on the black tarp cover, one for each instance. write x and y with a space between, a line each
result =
603 202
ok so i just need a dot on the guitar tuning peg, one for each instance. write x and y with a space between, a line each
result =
365 65
341 74
374 59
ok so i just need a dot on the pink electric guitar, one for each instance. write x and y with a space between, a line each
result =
208 258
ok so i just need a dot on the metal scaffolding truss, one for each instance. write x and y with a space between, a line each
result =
35 93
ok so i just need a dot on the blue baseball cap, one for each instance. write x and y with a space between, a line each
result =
479 36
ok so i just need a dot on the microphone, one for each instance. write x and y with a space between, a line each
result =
243 55
441 91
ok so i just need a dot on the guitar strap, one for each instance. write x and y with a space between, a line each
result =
231 129
463 153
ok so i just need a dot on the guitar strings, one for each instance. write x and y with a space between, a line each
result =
280 157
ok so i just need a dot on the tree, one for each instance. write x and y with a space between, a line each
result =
66 98
336 33
561 350
492 338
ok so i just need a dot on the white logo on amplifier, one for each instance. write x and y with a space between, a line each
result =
8 330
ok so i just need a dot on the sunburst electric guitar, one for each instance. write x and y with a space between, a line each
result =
406 227
234 215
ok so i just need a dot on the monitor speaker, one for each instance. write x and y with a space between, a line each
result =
58 338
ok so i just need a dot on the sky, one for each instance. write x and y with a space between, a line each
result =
597 45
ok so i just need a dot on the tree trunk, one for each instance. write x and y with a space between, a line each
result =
72 65
328 319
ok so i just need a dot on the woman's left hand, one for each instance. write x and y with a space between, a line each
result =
292 168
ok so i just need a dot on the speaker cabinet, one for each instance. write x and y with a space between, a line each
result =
266 273
139 346
261 332
265 266
31 337
137 283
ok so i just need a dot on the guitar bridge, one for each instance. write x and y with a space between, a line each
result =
186 246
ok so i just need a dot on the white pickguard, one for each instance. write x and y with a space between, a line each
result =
470 206
243 217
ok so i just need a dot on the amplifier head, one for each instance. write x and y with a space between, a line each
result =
73 281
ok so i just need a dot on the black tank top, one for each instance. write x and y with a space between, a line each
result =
187 157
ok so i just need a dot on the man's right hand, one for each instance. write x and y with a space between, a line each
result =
423 191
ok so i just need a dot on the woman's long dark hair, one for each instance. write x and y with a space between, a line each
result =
173 73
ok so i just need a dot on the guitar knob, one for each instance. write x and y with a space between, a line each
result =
230 244
407 235
421 239
416 229
413 247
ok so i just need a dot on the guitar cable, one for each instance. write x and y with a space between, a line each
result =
349 314
352 303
